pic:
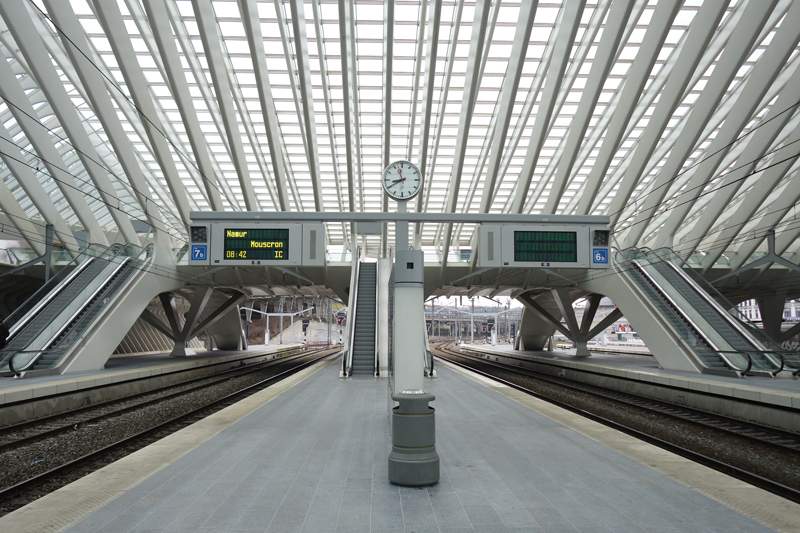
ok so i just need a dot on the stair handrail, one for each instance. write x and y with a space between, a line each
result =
65 343
729 311
376 367
627 256
355 267
39 299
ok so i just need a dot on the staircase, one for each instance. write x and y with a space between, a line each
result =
364 330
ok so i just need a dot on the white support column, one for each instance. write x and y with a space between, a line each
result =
304 73
657 31
386 112
207 23
30 184
508 96
763 75
255 40
28 121
465 119
27 229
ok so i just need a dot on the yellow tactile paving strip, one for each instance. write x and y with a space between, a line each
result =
65 507
764 507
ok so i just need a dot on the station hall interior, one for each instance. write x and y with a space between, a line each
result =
598 187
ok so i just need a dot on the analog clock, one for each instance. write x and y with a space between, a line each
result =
402 180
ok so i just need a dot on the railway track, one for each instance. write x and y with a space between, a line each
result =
42 455
761 455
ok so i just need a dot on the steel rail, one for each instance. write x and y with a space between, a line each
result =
194 385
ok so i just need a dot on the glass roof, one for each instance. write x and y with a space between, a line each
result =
677 119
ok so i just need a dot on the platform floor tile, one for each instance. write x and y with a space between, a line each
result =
315 460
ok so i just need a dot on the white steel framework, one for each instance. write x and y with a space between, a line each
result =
680 119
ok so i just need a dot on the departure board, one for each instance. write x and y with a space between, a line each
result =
546 246
256 244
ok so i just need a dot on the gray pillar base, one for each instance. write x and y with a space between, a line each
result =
413 461
581 349
413 467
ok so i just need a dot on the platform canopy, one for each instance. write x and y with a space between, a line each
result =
677 119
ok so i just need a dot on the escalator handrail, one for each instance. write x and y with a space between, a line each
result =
376 371
698 331
355 269
49 289
665 295
730 309
116 249
746 354
97 291
146 252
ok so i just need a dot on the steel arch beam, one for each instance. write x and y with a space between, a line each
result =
111 19
207 23
747 30
21 26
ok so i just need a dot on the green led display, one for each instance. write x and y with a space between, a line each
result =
256 244
546 246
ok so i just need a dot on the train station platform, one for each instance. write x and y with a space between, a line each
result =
782 391
311 454
136 367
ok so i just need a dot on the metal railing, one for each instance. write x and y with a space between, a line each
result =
347 359
83 326
771 351
376 370
40 298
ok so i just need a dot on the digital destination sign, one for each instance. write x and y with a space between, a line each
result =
256 244
546 246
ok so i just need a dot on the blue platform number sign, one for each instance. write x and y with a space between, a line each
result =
600 255
199 252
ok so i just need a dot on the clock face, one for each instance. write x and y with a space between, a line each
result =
402 180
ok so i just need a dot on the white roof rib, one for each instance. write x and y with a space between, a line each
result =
667 115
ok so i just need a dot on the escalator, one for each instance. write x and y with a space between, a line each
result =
721 342
43 330
363 362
